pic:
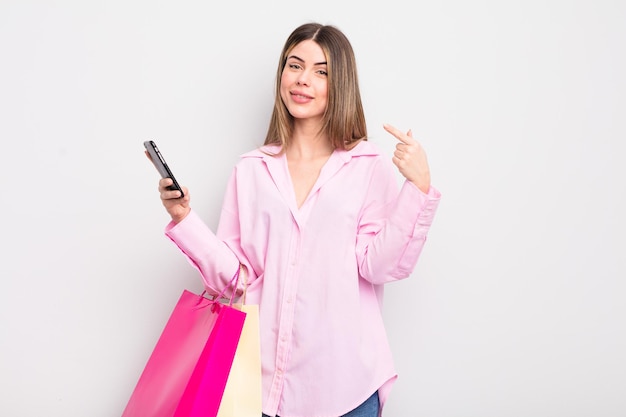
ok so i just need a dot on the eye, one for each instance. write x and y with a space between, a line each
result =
322 72
294 65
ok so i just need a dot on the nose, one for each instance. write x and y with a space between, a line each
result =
303 79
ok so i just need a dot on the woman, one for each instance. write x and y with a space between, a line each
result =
318 220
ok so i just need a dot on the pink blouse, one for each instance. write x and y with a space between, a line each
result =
317 272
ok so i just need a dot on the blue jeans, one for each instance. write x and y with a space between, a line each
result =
368 409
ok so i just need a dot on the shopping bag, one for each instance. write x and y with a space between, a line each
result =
242 395
186 373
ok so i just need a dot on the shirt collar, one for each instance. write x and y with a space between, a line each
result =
363 148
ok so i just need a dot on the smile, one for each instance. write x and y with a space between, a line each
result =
300 98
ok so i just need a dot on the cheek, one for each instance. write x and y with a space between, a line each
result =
284 94
322 89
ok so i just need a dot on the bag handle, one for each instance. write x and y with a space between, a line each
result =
234 280
243 271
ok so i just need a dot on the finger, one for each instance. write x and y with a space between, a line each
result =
165 182
170 195
148 155
397 133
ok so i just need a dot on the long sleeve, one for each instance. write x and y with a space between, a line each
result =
216 258
393 227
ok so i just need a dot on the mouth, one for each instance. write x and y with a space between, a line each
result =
297 95
300 98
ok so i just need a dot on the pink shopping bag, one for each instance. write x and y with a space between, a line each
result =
187 371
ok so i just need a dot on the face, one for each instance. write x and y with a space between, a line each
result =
304 82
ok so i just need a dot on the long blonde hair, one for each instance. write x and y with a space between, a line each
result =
344 118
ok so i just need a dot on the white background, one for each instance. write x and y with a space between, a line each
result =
517 305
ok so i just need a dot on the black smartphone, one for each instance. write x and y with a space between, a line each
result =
161 166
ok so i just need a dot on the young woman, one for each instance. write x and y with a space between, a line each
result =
318 218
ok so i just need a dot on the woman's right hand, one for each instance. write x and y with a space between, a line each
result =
177 207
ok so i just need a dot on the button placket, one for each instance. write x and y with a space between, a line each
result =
286 319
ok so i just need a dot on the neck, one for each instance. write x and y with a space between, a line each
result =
309 144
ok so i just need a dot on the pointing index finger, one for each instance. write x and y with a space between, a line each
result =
404 138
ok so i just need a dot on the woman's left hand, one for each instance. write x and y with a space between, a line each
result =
410 158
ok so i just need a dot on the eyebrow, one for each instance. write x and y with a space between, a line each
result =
302 60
